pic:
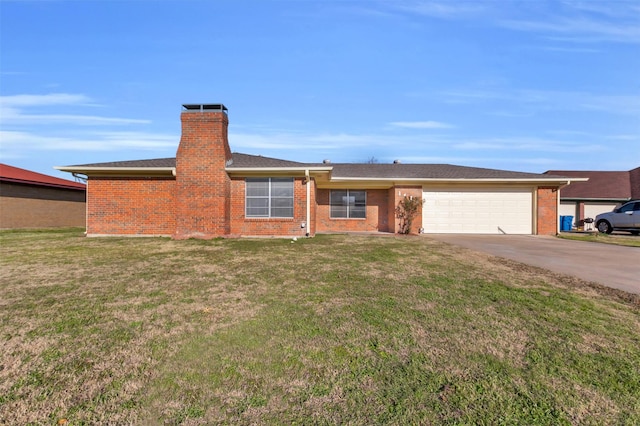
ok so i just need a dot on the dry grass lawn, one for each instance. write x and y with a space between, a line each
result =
334 329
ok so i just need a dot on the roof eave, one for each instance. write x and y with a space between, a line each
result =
259 170
119 171
459 180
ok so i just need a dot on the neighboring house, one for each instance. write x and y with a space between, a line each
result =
601 193
207 191
34 200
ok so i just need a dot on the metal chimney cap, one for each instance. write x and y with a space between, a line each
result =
204 107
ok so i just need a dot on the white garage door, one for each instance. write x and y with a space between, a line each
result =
471 211
593 210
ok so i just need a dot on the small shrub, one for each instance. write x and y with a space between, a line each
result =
407 209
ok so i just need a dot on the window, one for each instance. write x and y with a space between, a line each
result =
269 197
347 203
629 207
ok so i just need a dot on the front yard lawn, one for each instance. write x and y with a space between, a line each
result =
334 329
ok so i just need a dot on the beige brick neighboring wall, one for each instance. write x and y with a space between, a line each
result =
27 206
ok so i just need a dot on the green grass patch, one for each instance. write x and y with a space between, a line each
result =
334 329
596 237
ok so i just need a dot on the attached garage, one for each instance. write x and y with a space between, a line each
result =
478 211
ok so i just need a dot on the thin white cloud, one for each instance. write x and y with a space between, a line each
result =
568 21
26 100
14 111
579 30
300 141
14 116
440 9
20 144
526 144
421 124
548 100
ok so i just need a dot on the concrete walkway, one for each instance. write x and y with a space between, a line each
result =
606 264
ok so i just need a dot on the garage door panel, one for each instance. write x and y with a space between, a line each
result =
593 210
478 212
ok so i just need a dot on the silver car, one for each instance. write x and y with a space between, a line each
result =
624 218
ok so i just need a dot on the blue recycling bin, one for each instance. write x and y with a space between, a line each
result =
566 222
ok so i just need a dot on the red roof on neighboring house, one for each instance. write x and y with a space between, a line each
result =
18 175
610 185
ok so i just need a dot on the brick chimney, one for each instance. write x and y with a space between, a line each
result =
202 186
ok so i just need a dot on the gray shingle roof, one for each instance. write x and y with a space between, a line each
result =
258 161
425 171
155 162
347 170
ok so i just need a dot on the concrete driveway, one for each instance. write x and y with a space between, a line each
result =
606 264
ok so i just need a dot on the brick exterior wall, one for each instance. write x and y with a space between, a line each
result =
203 187
243 226
203 201
547 211
377 217
396 194
131 206
31 206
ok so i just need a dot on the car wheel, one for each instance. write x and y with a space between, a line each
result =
605 227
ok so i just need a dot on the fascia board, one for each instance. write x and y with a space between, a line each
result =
119 171
276 169
463 180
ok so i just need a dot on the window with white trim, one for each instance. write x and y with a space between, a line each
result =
269 197
348 203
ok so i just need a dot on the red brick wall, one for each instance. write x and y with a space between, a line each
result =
202 185
30 206
547 213
131 206
243 226
377 214
396 194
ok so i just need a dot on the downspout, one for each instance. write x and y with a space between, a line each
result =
86 202
308 179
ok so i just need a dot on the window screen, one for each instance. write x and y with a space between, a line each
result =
347 203
269 197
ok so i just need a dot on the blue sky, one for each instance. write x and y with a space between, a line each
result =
517 85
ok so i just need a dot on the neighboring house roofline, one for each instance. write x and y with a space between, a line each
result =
13 174
612 185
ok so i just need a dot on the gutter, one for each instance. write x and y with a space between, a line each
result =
118 171
563 182
277 169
